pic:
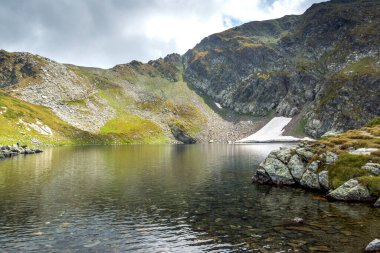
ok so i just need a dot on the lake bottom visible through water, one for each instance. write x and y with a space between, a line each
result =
167 198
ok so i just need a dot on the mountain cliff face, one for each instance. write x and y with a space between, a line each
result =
322 66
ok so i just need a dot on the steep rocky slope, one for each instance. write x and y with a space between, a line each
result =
49 102
322 66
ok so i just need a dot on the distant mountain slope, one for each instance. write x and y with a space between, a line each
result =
130 103
322 66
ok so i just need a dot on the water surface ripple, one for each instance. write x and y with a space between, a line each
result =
166 198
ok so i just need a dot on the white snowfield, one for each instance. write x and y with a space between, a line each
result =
271 132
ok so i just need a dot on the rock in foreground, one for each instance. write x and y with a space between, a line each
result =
373 246
314 166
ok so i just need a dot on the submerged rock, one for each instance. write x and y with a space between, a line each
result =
373 246
351 190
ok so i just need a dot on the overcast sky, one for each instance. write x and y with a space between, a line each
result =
103 33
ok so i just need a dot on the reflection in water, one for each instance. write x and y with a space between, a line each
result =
176 198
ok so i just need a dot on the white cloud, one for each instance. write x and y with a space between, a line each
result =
104 33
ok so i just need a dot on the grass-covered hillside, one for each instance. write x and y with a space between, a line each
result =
42 101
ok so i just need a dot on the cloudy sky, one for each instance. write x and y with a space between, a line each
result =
103 33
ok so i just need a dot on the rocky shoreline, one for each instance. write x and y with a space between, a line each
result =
307 165
17 149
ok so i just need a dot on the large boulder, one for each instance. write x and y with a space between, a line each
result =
296 167
323 178
373 246
310 177
277 171
351 190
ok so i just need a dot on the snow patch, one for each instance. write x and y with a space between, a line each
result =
218 105
271 132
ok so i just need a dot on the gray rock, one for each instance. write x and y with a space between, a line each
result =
373 246
283 155
331 157
351 190
29 151
181 136
296 167
304 153
310 178
298 220
277 171
377 203
323 178
261 177
37 150
373 168
313 167
7 153
2 155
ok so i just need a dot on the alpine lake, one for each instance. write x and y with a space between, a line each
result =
167 198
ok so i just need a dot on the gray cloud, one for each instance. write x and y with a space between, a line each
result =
104 33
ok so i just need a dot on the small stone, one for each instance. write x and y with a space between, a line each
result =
320 248
218 220
298 220
377 203
373 246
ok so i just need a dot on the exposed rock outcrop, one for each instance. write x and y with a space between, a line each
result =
308 165
321 64
181 135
